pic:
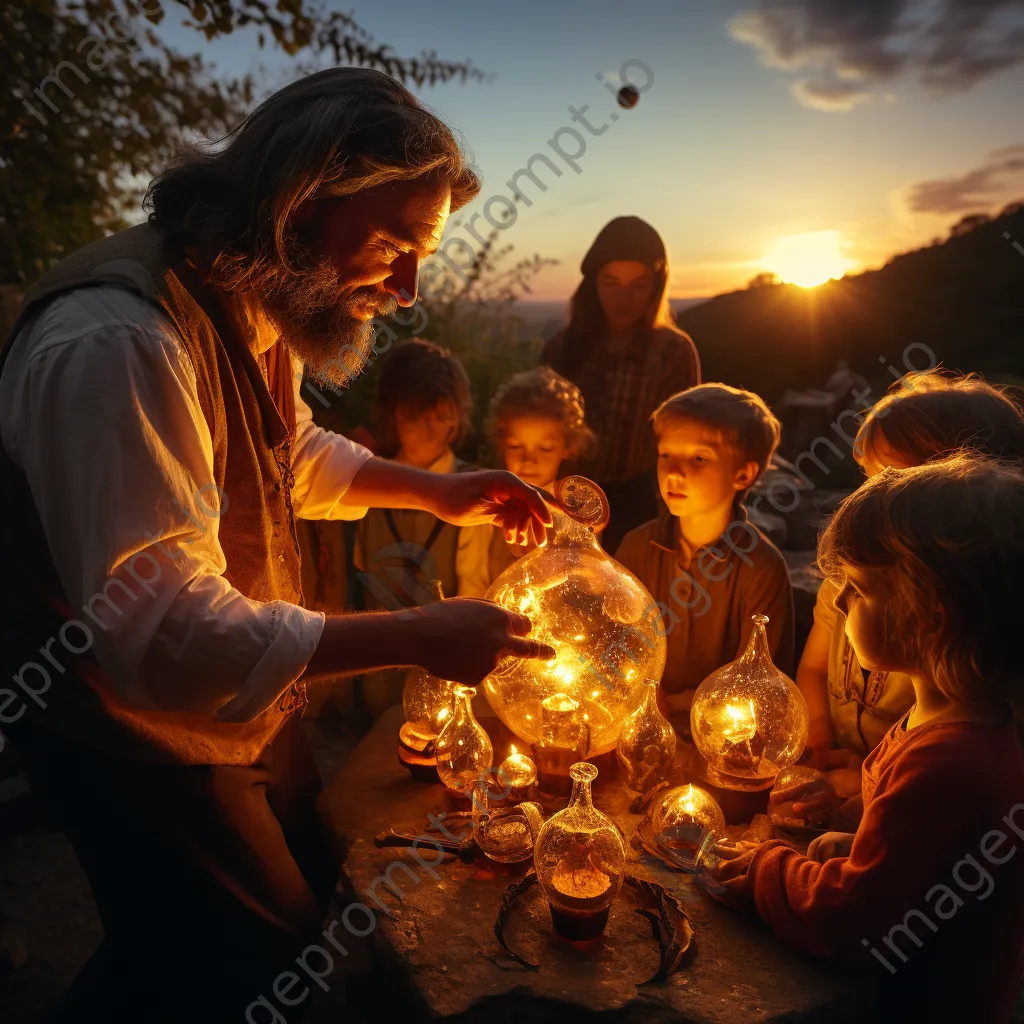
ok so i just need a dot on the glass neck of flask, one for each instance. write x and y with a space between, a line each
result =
464 709
581 795
757 648
566 532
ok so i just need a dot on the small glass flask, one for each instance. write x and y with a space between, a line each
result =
580 860
647 743
517 775
464 751
427 702
564 735
748 719
684 820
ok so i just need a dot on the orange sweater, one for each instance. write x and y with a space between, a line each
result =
933 888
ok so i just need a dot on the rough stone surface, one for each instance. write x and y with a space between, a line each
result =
441 960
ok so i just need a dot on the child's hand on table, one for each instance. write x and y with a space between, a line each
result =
807 802
725 878
831 844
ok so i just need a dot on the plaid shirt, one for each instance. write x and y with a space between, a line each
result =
621 390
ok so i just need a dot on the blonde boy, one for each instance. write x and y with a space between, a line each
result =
706 565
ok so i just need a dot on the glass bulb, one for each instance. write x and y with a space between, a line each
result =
647 743
580 860
464 751
427 702
685 821
517 771
748 719
602 623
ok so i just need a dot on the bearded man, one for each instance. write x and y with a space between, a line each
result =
155 456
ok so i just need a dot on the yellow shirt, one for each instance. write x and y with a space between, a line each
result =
400 552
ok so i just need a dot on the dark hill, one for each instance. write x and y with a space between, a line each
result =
963 298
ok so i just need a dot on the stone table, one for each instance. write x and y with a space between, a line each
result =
435 956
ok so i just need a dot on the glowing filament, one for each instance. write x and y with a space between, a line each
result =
741 724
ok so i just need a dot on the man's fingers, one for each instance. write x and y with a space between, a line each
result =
535 504
523 647
519 624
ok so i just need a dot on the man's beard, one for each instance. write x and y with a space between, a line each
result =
320 324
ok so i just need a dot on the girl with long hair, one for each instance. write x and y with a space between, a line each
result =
623 350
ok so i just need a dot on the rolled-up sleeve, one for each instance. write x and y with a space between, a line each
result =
101 412
324 465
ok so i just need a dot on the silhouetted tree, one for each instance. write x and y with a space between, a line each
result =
93 102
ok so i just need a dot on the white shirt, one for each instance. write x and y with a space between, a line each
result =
119 459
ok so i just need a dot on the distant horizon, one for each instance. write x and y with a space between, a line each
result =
809 146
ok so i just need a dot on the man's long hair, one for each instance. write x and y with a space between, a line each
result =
331 134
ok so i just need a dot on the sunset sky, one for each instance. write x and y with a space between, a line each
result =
869 127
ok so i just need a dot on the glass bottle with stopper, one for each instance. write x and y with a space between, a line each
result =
598 617
464 751
748 719
647 743
580 860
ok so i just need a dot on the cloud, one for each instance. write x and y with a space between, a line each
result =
846 52
978 189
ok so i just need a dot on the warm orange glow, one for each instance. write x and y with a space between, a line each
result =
740 724
809 259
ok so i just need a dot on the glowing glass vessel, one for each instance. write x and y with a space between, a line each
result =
684 819
464 751
427 702
748 719
603 624
647 744
580 860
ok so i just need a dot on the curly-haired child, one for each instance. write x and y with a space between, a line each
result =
537 425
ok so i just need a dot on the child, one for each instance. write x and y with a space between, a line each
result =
929 562
536 425
422 408
924 416
708 568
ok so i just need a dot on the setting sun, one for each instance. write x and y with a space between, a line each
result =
809 259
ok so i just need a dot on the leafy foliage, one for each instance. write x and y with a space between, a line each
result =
94 103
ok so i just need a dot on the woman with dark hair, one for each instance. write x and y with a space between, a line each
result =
623 350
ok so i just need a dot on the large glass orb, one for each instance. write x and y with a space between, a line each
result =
603 624
748 719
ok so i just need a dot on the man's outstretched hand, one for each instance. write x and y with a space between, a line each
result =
493 497
490 496
463 639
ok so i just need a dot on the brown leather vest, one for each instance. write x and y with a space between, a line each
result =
252 425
